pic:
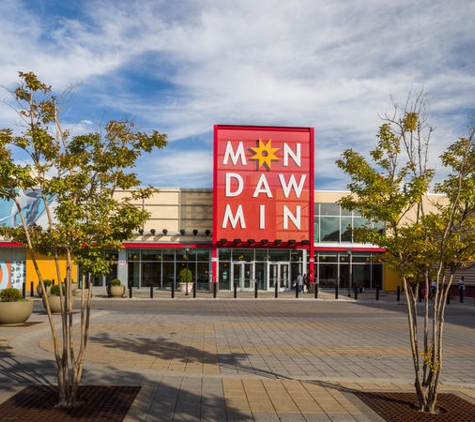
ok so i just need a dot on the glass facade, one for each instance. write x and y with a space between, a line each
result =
244 268
334 224
160 267
346 268
356 270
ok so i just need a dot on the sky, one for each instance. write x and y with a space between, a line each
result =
182 66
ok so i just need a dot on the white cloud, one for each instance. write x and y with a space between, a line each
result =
175 168
182 66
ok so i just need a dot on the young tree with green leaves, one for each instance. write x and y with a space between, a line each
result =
77 179
425 241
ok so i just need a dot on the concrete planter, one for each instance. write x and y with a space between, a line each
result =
39 290
55 303
182 286
117 291
15 313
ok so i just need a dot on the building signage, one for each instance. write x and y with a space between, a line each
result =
263 184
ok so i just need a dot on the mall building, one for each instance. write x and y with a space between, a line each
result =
261 223
179 233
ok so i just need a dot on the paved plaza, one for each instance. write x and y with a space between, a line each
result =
245 359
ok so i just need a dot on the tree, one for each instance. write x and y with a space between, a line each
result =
76 179
425 241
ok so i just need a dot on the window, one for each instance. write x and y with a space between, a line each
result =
334 224
329 209
330 229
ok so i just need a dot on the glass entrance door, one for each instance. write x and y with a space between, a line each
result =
242 275
279 274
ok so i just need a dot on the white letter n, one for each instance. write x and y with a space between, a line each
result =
289 216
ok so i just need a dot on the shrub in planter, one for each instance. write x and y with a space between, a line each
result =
39 288
54 290
185 276
116 288
185 279
11 295
14 309
54 298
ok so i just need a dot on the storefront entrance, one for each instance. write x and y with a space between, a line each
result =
243 275
279 274
261 268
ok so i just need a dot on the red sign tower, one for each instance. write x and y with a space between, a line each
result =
263 188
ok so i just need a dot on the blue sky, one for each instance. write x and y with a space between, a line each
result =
182 66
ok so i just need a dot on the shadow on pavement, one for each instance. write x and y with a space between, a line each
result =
157 399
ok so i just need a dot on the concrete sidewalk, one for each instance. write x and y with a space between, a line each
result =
246 359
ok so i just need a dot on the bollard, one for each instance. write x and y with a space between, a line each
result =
377 292
173 290
24 290
276 294
151 291
296 290
214 290
130 291
336 292
194 289
315 290
31 289
356 293
255 290
398 293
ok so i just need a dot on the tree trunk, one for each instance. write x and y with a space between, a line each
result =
427 372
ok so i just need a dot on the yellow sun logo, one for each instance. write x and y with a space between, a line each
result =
264 153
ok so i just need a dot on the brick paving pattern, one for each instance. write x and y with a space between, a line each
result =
218 359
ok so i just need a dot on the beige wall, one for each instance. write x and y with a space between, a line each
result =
328 197
175 210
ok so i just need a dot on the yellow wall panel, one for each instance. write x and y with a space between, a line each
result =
47 268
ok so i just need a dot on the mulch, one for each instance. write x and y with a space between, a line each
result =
112 403
402 407
98 403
